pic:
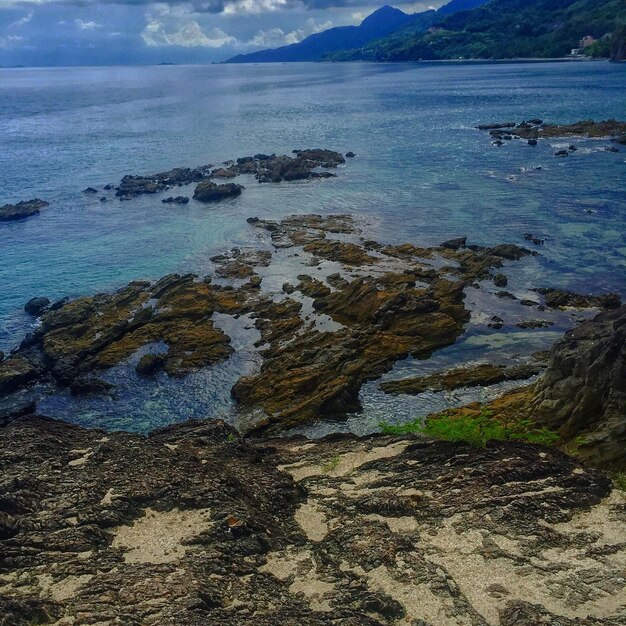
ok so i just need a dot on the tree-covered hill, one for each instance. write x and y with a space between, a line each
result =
502 29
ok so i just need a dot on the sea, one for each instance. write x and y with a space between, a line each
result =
423 173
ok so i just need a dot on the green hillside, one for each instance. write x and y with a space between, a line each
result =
505 29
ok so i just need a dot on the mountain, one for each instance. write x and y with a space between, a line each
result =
455 6
380 23
505 29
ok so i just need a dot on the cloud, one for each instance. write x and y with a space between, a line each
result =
275 37
10 41
22 21
186 35
86 25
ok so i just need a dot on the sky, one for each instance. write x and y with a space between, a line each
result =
119 32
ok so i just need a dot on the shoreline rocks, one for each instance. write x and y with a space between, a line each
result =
22 210
317 346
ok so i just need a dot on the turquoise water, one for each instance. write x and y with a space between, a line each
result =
423 174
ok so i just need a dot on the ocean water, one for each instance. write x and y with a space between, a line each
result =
423 174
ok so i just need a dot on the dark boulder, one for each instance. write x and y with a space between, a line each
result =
175 200
36 306
207 191
454 244
350 155
500 280
89 386
150 364
90 190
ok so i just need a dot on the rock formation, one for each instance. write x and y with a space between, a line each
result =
21 210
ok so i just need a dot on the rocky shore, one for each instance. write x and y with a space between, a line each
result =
361 307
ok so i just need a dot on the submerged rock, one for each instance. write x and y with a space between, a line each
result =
557 298
150 364
21 210
480 375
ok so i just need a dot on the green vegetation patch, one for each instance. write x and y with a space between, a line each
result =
476 430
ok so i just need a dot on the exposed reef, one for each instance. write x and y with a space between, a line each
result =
21 210
266 168
535 129
320 339
195 527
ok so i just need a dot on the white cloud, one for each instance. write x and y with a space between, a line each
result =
86 25
276 37
187 35
255 6
10 41
21 21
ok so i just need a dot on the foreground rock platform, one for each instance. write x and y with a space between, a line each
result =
194 526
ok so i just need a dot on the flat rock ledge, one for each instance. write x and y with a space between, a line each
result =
194 526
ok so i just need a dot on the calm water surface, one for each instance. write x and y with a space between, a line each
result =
423 174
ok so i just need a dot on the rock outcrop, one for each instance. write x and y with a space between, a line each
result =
583 391
387 303
21 210
581 395
195 527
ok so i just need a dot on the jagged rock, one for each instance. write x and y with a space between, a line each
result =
90 190
479 375
224 173
534 323
36 306
455 244
132 186
207 191
21 210
496 322
583 391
